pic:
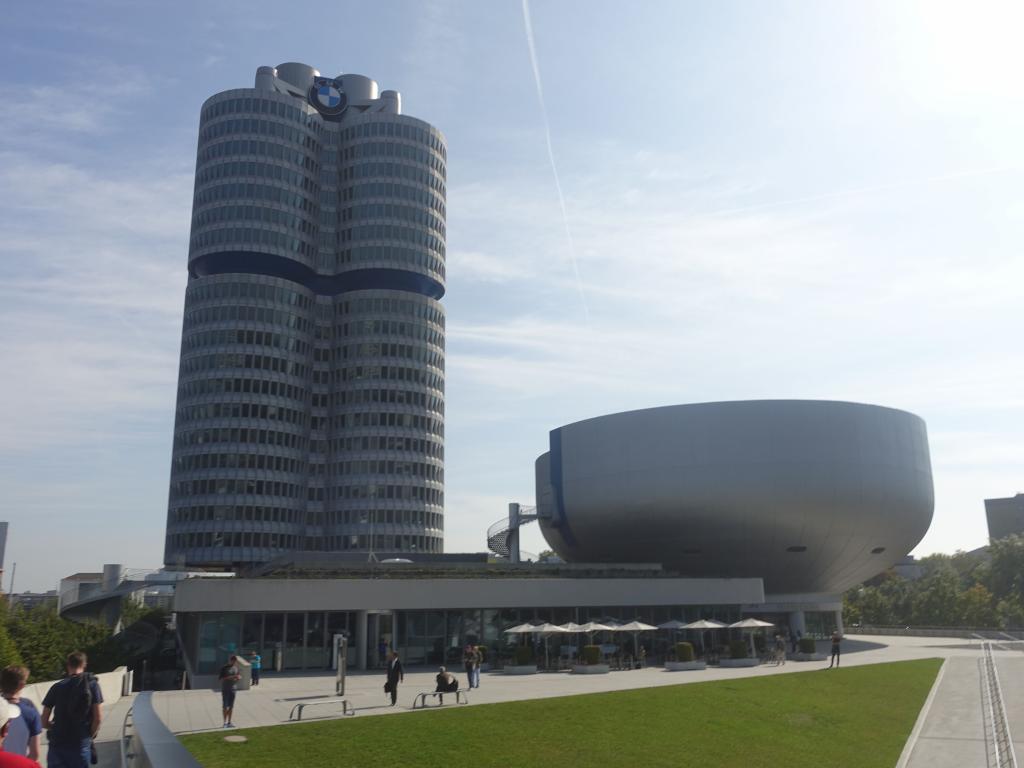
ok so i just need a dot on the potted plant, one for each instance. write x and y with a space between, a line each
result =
590 662
523 662
738 656
808 651
685 659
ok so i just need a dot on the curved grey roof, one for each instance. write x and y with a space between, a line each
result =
813 496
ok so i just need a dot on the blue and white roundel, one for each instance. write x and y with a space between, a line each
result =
328 96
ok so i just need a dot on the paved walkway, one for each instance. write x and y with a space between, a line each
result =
271 702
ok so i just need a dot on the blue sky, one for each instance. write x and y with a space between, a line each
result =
788 199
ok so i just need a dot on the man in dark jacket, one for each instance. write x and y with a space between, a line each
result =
395 676
72 714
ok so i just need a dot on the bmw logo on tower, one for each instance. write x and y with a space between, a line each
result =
326 95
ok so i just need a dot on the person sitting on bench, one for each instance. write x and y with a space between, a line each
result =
446 683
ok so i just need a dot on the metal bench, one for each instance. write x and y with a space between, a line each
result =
296 713
461 697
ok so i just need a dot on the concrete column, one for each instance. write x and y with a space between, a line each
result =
797 623
839 621
361 639
513 532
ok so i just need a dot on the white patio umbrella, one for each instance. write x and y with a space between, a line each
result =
594 626
520 629
750 625
673 626
546 630
636 627
701 625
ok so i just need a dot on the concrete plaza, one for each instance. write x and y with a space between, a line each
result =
951 733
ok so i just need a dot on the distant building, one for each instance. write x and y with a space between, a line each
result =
1005 516
29 600
908 568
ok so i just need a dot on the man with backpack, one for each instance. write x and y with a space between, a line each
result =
72 713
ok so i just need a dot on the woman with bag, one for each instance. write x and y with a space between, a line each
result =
395 676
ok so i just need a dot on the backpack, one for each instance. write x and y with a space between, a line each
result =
74 711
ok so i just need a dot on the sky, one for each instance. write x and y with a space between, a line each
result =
711 201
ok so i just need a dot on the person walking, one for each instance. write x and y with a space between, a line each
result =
9 715
836 637
22 737
395 676
256 664
229 677
471 661
72 713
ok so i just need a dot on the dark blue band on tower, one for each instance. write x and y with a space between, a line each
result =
255 263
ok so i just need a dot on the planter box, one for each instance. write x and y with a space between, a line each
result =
807 657
526 669
682 666
591 669
738 662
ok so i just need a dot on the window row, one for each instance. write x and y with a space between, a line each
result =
260 149
388 396
408 213
242 289
418 517
388 443
238 539
393 129
386 305
242 411
390 468
254 105
235 313
203 513
391 232
252 169
238 461
229 214
203 486
375 149
388 419
199 387
376 254
220 337
389 373
382 170
262 192
242 435
385 542
374 349
390 191
389 328
252 236
201 363
396 492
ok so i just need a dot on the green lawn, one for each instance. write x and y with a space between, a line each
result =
848 718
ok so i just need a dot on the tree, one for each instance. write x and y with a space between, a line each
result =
977 607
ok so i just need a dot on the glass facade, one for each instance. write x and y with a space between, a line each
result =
304 640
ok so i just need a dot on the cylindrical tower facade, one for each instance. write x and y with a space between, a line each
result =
311 390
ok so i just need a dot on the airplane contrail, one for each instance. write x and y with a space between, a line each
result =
551 156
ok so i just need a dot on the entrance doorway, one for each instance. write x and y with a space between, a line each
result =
380 637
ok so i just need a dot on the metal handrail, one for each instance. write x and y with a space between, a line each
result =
125 754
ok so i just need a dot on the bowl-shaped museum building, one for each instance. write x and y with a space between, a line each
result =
813 497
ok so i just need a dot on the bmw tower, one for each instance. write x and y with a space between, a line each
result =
310 403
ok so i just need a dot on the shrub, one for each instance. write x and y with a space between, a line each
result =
684 652
591 654
482 650
523 655
807 645
738 649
